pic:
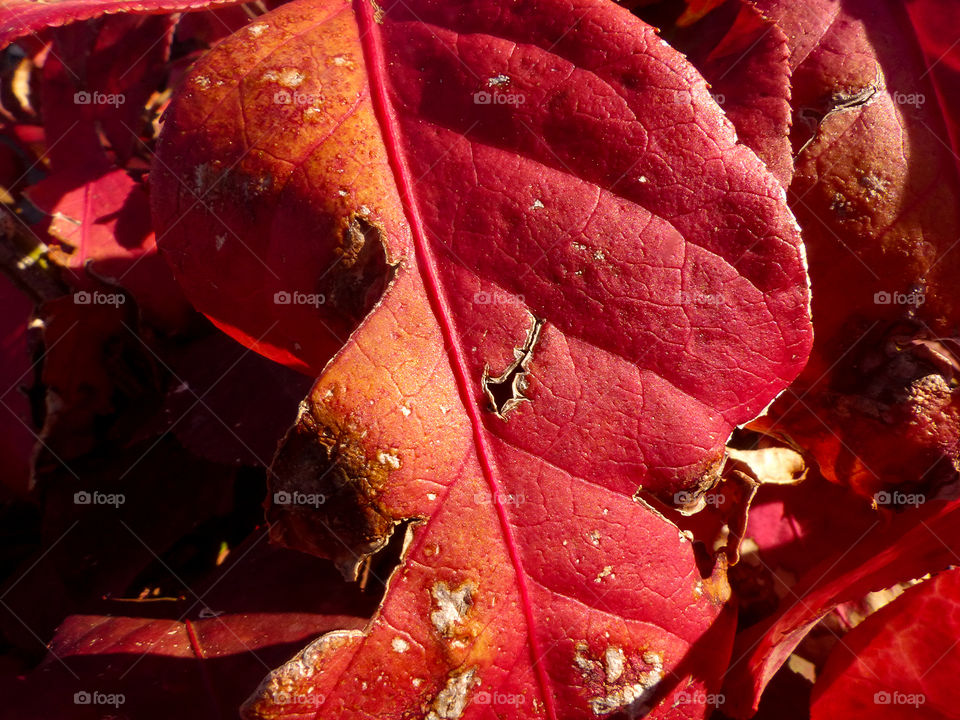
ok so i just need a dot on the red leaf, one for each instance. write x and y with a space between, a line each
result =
104 224
901 662
250 615
908 546
668 304
803 23
932 22
795 528
23 17
745 58
750 78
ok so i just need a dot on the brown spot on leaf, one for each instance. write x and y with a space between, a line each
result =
362 272
325 492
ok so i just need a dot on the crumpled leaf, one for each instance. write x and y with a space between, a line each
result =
876 192
516 411
901 662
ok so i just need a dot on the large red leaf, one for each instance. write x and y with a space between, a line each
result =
901 662
585 290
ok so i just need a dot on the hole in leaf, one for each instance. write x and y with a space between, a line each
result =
505 392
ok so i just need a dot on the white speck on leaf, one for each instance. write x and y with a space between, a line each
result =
613 659
388 459
452 605
287 77
399 645
452 700
606 572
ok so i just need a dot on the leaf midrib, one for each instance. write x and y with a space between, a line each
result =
374 58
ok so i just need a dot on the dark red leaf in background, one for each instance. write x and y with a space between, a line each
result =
22 17
16 373
901 663
905 546
877 193
197 658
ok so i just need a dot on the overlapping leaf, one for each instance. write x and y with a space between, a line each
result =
195 658
875 191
